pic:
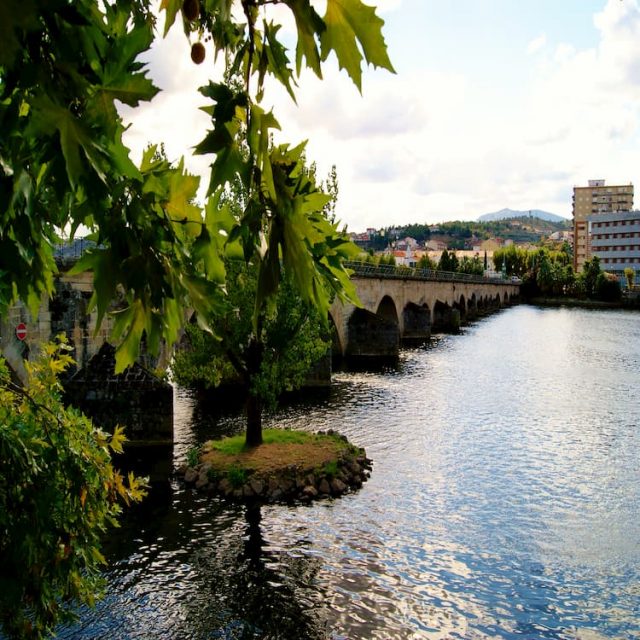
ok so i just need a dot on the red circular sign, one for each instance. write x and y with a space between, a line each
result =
21 331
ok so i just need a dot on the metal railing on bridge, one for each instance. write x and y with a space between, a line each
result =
74 250
401 272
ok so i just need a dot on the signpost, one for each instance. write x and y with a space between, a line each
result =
21 331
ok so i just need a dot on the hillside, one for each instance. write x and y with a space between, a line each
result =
505 214
462 234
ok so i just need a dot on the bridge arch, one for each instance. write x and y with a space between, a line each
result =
387 309
337 340
461 306
442 313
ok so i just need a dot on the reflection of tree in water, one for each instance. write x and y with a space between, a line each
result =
256 591
217 413
192 568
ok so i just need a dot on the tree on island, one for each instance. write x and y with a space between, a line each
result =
294 339
63 165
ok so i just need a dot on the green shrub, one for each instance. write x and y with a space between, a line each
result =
193 456
59 493
331 468
607 288
237 477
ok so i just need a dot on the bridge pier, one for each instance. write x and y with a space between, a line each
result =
372 336
416 323
134 398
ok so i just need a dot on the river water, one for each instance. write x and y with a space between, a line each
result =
504 503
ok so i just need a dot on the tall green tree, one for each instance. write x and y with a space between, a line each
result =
472 266
448 261
294 339
425 262
589 275
63 164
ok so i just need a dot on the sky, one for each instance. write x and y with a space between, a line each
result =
494 104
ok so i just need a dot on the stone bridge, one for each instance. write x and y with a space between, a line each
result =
404 306
400 306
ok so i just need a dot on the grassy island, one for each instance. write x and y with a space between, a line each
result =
288 466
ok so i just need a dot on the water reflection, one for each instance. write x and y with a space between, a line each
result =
503 504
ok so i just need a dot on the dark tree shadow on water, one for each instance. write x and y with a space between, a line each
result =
271 590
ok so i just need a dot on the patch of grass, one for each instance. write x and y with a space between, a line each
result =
237 476
234 445
193 456
331 468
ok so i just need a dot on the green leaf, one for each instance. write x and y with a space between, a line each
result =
121 79
75 141
130 89
258 137
171 7
105 273
131 322
310 26
274 59
182 191
349 22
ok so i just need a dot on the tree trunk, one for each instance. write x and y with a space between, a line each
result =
254 421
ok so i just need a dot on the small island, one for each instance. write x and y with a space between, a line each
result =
289 466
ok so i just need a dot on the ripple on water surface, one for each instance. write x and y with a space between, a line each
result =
503 503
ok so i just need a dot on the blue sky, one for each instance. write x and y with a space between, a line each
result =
496 103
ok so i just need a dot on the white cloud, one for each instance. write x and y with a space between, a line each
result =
430 145
585 107
536 44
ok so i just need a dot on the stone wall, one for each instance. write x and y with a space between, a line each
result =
135 398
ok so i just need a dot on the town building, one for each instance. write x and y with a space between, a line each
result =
615 239
591 201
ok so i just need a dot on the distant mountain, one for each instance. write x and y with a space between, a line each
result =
510 213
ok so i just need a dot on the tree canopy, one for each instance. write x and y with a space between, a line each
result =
63 69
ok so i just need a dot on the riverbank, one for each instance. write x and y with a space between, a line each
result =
543 301
288 466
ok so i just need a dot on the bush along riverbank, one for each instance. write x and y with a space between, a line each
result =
289 466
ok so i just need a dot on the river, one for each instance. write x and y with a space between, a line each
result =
504 503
